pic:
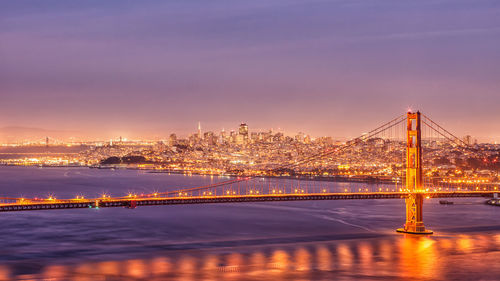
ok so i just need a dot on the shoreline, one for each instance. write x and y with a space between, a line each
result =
335 178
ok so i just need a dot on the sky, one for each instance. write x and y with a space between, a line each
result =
335 68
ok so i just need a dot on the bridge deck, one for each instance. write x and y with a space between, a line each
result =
133 202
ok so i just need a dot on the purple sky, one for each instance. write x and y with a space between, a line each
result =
334 68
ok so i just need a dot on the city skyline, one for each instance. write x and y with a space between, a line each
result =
323 68
19 133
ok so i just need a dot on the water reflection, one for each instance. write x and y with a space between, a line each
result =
435 258
464 243
418 257
344 257
279 261
323 258
302 259
365 255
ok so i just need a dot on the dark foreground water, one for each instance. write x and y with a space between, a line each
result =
315 240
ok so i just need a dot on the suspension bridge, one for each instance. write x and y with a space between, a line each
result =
414 185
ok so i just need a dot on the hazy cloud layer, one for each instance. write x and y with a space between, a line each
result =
323 67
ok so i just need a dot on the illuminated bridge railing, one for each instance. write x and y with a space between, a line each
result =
27 205
248 190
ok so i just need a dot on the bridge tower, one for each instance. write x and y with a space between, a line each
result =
415 200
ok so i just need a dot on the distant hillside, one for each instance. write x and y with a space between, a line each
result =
124 160
19 134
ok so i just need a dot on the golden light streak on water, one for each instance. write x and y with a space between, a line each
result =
111 268
186 268
258 263
419 257
386 255
405 257
446 244
464 244
4 273
280 261
160 266
323 258
302 259
365 253
345 257
481 241
386 250
136 269
497 239
233 269
57 272
210 267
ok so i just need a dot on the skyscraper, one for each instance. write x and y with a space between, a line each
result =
172 140
244 130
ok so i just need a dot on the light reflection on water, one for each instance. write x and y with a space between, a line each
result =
313 240
391 257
